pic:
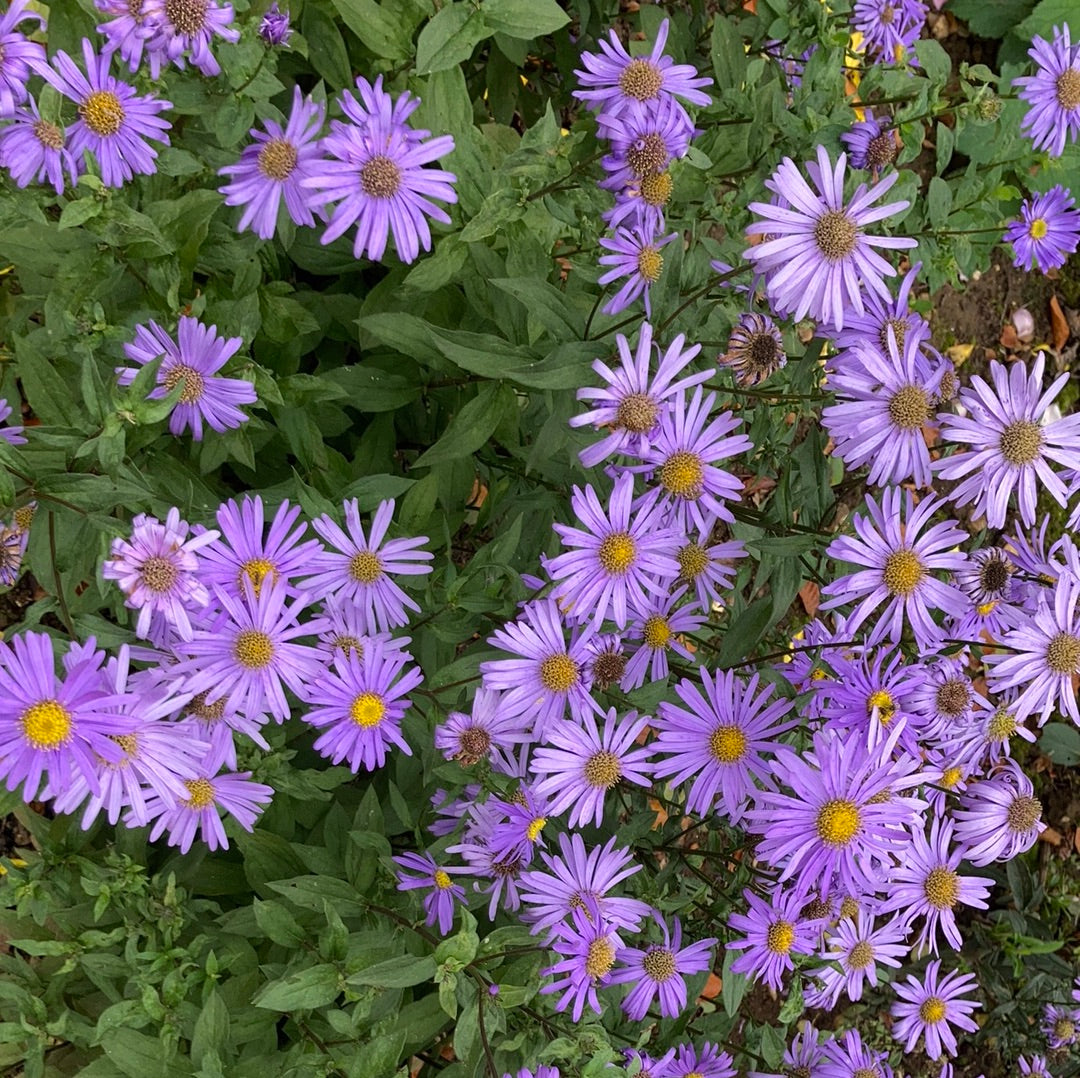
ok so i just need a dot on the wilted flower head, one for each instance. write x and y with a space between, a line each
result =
274 27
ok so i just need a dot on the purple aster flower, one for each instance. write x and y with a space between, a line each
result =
582 763
488 732
1048 230
548 672
819 258
158 572
803 1055
1012 443
856 946
755 349
644 140
889 28
719 739
359 567
132 25
518 830
946 701
588 949
185 29
639 206
541 1072
842 819
634 401
271 169
617 554
645 1066
636 256
54 728
246 653
926 883
113 120
1042 657
34 150
1053 92
361 705
274 26
659 627
19 56
614 80
931 1008
1060 1026
881 315
1037 1068
607 660
683 458
991 738
998 817
706 565
897 583
242 550
871 143
847 1057
710 1062
10 433
660 970
575 875
439 903
182 818
883 404
217 723
771 931
157 755
375 178
194 359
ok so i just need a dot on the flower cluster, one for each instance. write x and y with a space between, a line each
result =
152 735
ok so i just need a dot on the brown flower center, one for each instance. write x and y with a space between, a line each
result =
942 888
861 955
637 413
608 667
49 135
881 150
207 712
641 80
187 16
899 328
909 408
836 235
277 159
1023 814
1021 442
474 742
648 154
158 574
380 177
1067 89
658 964
954 697
194 384
1063 654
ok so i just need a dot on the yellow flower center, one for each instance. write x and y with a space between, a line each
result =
253 649
46 724
657 633
617 553
1037 229
559 673
950 777
683 474
727 744
884 704
365 567
693 561
932 1009
277 159
102 113
201 793
532 832
649 263
656 188
903 572
367 710
942 888
599 958
602 770
658 964
256 570
442 880
861 955
641 80
780 936
1002 725
837 822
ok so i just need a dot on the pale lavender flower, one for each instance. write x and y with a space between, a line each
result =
889 28
755 349
132 25
184 29
999 817
705 565
635 256
9 432
488 732
158 572
770 932
274 27
1048 230
644 140
871 143
710 1062
1053 92
421 870
588 949
848 1057
19 56
931 1007
271 169
856 946
818 259
34 150
1060 1026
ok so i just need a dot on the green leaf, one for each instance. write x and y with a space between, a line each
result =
524 18
402 972
991 18
136 1055
326 47
1061 742
733 985
545 303
450 37
728 54
745 631
1047 15
499 209
939 201
80 211
313 987
935 61
383 34
793 1006
211 1032
470 429
278 924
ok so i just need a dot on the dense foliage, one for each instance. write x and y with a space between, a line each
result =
513 583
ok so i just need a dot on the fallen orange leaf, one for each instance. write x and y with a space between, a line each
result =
712 987
1059 327
810 594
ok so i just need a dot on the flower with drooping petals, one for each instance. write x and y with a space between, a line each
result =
998 817
184 29
34 150
588 948
19 56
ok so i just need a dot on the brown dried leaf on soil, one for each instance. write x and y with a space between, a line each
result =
1059 326
810 594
